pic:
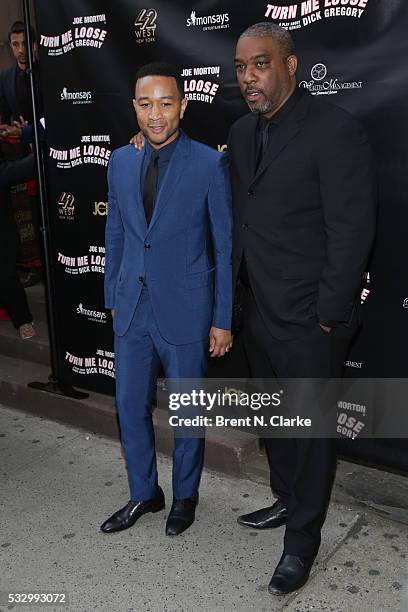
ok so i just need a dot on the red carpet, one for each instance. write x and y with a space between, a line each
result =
4 315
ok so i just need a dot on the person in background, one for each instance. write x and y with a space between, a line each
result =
15 99
12 294
16 112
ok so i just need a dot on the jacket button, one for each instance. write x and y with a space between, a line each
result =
245 226
141 279
147 245
250 192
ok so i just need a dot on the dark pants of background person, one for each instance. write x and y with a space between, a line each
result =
12 294
301 470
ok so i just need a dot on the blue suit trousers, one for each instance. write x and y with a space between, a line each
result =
138 354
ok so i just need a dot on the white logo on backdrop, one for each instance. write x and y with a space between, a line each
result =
208 22
91 315
201 89
93 261
102 362
145 25
76 97
92 150
306 12
319 85
318 72
66 206
79 36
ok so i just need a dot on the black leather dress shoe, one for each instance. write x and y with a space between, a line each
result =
265 518
127 516
182 515
290 574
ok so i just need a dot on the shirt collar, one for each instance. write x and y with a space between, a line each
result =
164 154
284 110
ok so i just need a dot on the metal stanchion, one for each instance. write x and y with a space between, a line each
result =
54 384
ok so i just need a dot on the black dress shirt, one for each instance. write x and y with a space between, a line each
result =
266 127
265 130
23 96
164 157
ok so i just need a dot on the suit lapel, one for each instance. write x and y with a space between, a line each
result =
12 90
246 156
133 190
174 172
283 135
286 132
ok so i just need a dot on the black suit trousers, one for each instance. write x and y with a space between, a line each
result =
301 470
12 294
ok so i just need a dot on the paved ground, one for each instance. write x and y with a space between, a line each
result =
58 484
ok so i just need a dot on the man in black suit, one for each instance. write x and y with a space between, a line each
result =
304 217
16 120
15 101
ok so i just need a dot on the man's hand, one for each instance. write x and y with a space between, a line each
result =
21 122
113 313
10 131
138 141
220 341
13 131
325 328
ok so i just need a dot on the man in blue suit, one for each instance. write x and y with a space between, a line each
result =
168 283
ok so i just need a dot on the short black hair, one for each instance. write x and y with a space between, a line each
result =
18 28
278 34
161 69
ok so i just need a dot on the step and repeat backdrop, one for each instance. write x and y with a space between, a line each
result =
352 51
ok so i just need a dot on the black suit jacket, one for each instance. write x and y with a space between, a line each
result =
8 101
9 107
306 218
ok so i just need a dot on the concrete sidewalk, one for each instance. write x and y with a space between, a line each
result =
58 484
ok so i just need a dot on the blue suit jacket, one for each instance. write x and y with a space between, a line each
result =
184 256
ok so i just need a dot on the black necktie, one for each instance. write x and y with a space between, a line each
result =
150 186
265 137
263 141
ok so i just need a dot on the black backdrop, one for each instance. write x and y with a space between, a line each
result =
350 50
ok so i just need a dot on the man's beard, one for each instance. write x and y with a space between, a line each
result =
262 109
